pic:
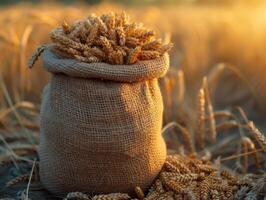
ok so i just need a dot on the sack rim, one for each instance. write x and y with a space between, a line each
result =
140 71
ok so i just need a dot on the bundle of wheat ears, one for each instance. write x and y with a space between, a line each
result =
109 38
184 177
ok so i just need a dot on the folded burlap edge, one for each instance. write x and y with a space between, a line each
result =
140 71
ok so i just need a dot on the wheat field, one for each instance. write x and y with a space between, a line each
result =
217 66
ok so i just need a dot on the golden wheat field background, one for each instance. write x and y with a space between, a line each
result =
221 48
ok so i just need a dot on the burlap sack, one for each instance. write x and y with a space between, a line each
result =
101 125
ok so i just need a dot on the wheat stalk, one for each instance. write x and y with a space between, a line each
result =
30 177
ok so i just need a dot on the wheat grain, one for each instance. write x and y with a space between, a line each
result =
166 196
106 45
170 167
110 21
159 186
65 27
145 36
116 57
139 192
93 33
95 51
177 177
91 59
206 168
101 26
131 29
228 175
74 33
77 196
124 19
190 195
87 24
182 168
176 187
214 194
132 42
133 55
153 45
83 34
121 36
152 195
178 196
220 187
113 196
69 51
205 189
165 48
148 55
57 38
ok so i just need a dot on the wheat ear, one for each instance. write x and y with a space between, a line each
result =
139 192
244 150
251 147
77 195
181 87
227 125
112 196
200 124
66 27
187 139
257 134
210 114
17 180
36 55
133 55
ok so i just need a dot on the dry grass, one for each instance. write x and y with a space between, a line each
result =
224 45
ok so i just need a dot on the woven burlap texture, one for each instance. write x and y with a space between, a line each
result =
101 125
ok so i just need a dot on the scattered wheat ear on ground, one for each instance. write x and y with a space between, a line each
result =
189 177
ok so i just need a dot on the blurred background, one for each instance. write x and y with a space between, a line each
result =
221 39
137 1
